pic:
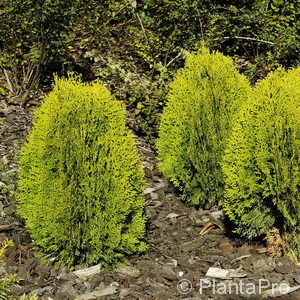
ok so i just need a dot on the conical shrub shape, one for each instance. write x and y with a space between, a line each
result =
203 100
262 161
81 181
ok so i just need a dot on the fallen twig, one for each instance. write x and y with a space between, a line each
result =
244 38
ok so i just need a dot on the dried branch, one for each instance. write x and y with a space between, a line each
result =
244 38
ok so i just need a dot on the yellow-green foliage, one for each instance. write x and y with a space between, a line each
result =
27 297
202 102
3 247
262 161
6 281
81 181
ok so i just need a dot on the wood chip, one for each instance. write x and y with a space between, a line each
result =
5 227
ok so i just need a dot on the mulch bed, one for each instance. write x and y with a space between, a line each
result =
180 252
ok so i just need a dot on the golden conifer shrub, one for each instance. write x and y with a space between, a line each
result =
262 161
203 100
81 181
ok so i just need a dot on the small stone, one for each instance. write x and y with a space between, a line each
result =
128 271
84 274
219 273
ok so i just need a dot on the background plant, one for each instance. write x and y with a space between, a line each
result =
149 39
81 181
31 33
